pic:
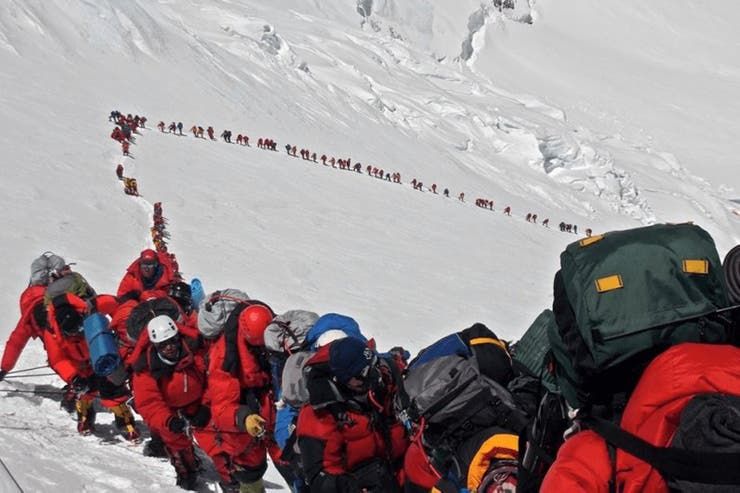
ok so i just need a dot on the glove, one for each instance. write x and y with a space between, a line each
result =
255 425
2 375
176 424
80 384
130 295
201 417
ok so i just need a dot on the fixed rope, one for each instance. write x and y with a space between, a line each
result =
10 475
13 372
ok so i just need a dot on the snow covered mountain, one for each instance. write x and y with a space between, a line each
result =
602 116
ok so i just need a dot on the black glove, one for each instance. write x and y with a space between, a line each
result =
201 417
80 384
134 294
176 424
2 375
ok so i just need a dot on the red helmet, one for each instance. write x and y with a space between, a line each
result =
149 255
255 320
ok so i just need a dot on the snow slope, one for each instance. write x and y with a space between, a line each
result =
662 74
384 84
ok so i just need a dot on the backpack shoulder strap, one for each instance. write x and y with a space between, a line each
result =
671 462
231 335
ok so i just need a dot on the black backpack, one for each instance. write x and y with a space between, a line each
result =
451 389
145 311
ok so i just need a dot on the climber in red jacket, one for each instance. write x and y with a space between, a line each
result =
242 400
148 276
349 437
170 383
69 357
653 413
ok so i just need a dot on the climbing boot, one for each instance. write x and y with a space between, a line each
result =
252 487
125 423
85 416
186 467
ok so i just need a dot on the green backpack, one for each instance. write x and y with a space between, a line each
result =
71 282
623 297
533 352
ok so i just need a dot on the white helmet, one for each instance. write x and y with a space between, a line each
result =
161 328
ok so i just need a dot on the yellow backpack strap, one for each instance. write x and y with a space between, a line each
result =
490 340
487 340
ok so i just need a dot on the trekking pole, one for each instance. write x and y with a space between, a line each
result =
10 474
13 372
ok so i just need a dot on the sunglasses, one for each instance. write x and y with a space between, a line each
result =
365 373
173 341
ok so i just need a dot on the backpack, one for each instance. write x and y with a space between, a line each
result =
333 324
533 351
294 383
43 266
444 389
72 283
145 311
287 332
293 388
731 266
214 310
687 430
623 297
233 308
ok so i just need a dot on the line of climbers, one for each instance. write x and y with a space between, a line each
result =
346 164
123 132
637 316
160 235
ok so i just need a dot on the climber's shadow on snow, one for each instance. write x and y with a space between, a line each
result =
35 394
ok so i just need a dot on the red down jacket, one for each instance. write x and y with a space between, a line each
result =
653 414
162 390
69 356
238 385
333 444
133 282
27 327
